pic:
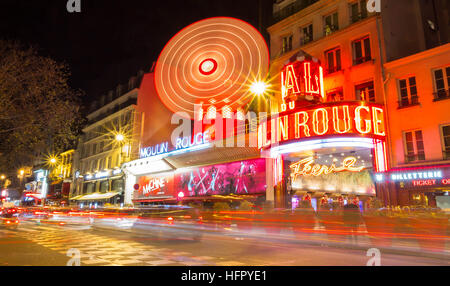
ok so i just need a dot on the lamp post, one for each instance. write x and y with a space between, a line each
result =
51 162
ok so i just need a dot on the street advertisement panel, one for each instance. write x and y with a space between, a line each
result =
154 187
240 178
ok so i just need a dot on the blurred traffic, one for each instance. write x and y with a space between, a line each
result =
417 229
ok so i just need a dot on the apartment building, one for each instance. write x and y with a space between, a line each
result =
110 139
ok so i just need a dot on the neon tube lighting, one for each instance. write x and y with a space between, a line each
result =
320 144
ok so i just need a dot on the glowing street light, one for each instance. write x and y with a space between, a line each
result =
258 88
2 177
21 172
120 137
52 160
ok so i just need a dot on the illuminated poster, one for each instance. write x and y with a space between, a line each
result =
240 178
359 183
154 187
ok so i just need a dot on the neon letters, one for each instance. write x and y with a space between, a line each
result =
301 78
307 167
329 119
181 143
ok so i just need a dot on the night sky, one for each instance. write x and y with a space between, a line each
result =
109 41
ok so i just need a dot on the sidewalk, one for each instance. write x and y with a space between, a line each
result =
318 237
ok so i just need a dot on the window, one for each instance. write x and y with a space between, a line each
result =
335 95
287 44
104 186
333 59
358 11
408 92
442 83
306 34
117 186
414 146
331 24
446 141
365 92
89 188
361 51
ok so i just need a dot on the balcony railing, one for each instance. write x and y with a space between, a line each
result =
306 39
361 60
331 70
291 9
113 110
407 102
441 94
414 157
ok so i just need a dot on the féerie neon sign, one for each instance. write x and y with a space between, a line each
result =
307 167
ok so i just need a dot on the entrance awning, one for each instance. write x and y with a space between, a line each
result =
76 198
97 196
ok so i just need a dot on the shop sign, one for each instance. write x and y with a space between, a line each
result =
432 182
408 176
180 144
150 187
307 167
328 119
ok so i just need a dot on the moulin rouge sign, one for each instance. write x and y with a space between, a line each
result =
304 78
357 118
301 78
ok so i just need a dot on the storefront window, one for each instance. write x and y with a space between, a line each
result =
88 188
117 185
104 187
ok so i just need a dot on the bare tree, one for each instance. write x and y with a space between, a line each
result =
39 112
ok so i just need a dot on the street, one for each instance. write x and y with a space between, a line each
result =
33 244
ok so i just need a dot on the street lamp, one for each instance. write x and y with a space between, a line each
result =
258 88
120 137
2 177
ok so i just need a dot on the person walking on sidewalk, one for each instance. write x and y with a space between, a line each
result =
352 220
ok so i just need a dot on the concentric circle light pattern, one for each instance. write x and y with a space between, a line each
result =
211 62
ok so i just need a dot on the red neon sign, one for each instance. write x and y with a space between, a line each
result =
301 78
307 167
328 119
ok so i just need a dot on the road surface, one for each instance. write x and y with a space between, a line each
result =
33 244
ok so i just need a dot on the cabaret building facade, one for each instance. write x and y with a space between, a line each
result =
309 146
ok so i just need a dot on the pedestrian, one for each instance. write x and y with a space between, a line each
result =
352 220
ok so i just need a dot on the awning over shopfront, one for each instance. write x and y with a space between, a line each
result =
96 196
75 198
214 155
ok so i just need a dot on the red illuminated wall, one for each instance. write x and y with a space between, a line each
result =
156 126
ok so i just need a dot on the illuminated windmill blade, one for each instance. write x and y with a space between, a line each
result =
211 61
